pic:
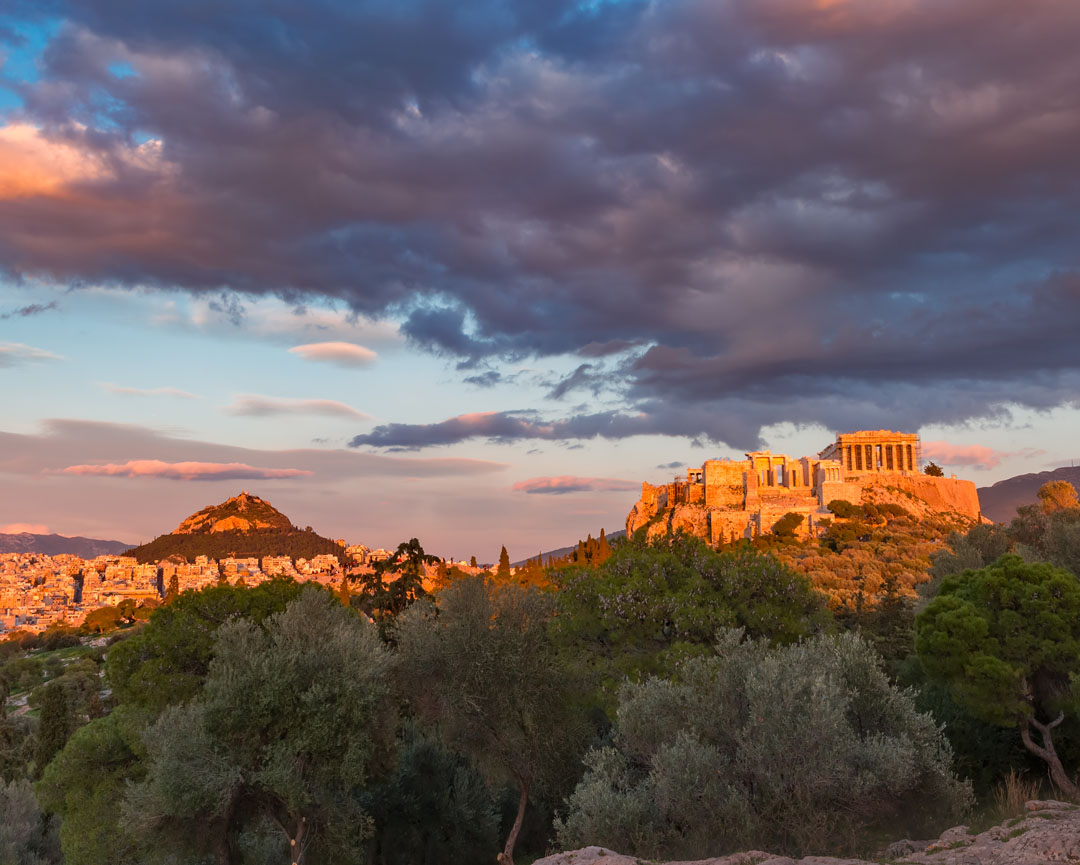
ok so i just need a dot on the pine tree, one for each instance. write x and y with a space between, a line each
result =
503 573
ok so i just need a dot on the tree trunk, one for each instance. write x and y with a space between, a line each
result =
1047 753
296 843
223 847
507 855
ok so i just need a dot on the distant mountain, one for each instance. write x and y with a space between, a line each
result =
55 545
1000 501
562 551
243 526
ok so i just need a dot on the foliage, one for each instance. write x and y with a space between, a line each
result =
434 810
85 785
54 727
933 470
286 731
25 838
396 582
251 544
482 666
976 548
652 603
845 509
1006 640
1057 496
786 526
793 746
169 659
503 570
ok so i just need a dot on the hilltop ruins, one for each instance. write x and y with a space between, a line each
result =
726 499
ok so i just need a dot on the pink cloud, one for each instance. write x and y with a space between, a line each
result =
975 456
347 354
184 471
28 528
562 484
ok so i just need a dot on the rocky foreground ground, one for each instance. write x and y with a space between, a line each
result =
1049 832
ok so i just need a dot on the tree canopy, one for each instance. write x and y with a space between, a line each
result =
482 666
1006 639
649 604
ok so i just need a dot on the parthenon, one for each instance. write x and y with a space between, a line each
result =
742 498
879 451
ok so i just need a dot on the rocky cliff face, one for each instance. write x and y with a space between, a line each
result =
1049 832
242 513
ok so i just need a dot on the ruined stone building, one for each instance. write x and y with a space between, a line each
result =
728 499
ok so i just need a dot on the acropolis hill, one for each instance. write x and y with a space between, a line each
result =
725 499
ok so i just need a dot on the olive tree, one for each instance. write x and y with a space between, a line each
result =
1006 640
799 747
480 665
269 762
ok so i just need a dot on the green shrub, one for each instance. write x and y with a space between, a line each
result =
844 509
799 747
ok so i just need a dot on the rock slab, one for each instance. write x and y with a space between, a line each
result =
1047 833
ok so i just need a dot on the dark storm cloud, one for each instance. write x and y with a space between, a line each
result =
795 210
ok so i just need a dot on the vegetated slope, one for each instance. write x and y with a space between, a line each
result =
55 545
1000 501
243 526
562 551
873 551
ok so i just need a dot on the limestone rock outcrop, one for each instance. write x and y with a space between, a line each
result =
242 513
1048 833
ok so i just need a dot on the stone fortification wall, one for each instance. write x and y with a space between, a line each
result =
723 482
942 494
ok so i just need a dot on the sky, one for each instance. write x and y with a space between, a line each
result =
472 272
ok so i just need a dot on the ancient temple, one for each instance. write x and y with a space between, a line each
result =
742 498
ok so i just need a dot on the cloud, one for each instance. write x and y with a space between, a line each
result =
29 310
253 405
28 528
344 354
676 464
67 442
795 208
973 456
563 484
153 391
14 353
184 471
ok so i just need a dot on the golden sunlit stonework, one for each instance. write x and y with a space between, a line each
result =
724 500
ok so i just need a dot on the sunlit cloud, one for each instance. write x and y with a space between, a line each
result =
971 456
13 353
184 471
563 484
346 354
24 528
253 405
33 164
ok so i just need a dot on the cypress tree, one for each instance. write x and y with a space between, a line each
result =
54 727
504 565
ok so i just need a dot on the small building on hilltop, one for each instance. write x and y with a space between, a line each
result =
724 499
